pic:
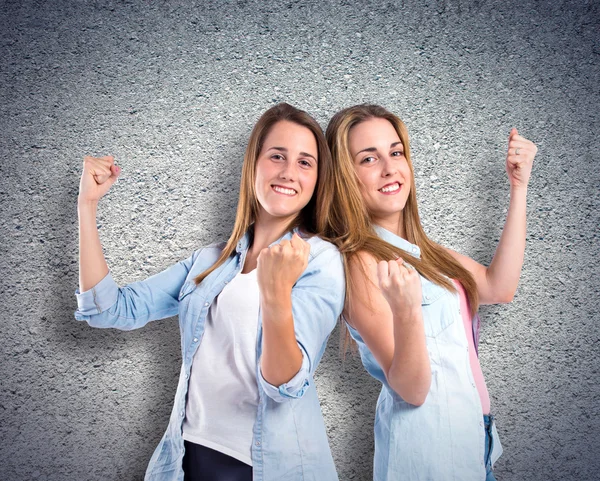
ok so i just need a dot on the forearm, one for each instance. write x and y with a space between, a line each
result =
281 357
410 372
505 269
92 265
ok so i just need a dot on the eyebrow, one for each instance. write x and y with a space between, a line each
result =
283 149
373 149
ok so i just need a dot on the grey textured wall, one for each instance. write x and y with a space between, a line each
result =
172 88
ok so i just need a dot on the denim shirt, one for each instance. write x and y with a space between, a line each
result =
443 439
289 439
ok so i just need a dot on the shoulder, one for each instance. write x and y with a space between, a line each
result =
324 276
321 248
208 254
324 261
216 246
363 263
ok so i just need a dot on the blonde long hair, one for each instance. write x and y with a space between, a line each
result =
352 221
313 218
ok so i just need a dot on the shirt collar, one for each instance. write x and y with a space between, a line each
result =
397 241
244 242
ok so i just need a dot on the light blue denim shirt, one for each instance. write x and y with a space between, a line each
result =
289 439
443 439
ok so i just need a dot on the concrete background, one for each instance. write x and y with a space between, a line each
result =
172 89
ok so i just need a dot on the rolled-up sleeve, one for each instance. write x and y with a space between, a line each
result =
292 389
107 305
97 299
317 302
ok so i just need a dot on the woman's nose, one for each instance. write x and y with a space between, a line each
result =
288 171
388 168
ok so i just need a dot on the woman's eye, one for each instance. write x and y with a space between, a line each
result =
277 157
398 153
367 160
305 163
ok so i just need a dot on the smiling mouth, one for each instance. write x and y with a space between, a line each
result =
284 190
390 188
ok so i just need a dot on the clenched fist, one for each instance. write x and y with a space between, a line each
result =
99 174
401 287
519 159
280 266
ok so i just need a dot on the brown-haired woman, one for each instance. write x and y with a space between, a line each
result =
412 304
254 313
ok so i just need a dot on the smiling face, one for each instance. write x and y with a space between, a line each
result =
286 171
378 156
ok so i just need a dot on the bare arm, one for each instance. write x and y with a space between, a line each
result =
92 265
391 324
281 357
498 282
101 302
98 176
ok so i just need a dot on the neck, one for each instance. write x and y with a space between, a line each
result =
393 223
268 229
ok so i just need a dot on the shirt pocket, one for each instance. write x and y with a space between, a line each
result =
187 288
436 315
185 298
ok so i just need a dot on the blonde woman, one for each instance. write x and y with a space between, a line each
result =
412 304
254 312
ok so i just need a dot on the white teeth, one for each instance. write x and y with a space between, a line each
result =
283 190
390 188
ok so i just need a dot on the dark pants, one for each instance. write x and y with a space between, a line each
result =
204 464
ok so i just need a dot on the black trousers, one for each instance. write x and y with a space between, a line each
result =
204 464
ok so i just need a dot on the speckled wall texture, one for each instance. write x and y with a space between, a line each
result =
172 89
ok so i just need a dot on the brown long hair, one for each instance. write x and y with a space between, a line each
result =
351 220
313 217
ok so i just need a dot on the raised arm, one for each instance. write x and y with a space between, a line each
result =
99 174
385 309
101 302
498 282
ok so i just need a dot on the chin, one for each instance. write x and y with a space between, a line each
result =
281 212
390 209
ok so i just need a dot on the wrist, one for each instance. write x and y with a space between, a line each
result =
407 315
516 190
279 299
85 203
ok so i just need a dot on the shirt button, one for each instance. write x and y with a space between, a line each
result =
481 423
257 443
195 339
414 249
182 413
206 304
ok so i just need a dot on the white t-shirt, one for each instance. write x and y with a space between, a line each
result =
223 391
